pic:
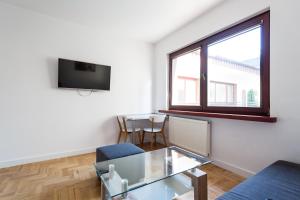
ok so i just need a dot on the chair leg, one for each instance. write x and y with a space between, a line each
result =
140 139
143 137
152 138
119 138
164 138
125 139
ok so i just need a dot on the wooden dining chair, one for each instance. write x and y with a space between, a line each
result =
154 130
124 130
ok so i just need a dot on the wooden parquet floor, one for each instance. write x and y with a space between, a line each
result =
74 178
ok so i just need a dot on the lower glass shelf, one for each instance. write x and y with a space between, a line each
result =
166 189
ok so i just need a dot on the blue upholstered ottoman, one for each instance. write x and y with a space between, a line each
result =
122 150
116 151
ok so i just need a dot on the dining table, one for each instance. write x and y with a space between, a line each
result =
135 118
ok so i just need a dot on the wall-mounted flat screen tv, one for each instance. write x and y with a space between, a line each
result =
81 75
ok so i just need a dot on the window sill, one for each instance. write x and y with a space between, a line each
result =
256 118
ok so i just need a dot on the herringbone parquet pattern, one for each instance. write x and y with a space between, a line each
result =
66 178
74 178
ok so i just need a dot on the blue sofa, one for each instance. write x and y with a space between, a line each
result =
279 181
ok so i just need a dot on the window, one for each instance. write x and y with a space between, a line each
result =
222 94
225 73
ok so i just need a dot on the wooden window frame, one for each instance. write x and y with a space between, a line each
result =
264 21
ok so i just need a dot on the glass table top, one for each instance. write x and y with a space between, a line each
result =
146 168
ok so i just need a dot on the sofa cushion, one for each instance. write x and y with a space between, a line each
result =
116 151
279 181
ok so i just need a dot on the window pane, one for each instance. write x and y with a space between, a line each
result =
220 93
212 94
186 79
230 94
234 68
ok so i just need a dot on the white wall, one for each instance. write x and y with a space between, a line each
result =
40 121
244 146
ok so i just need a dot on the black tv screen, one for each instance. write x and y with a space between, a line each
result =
81 75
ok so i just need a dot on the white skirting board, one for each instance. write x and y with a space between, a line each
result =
38 158
233 168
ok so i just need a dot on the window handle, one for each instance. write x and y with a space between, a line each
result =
203 76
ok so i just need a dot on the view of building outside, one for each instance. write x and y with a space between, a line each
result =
233 73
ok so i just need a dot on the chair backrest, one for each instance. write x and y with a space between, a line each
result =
122 123
155 119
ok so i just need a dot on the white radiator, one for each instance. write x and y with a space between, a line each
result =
190 134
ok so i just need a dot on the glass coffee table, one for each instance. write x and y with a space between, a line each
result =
163 174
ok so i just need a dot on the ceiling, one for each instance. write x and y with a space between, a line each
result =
146 20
